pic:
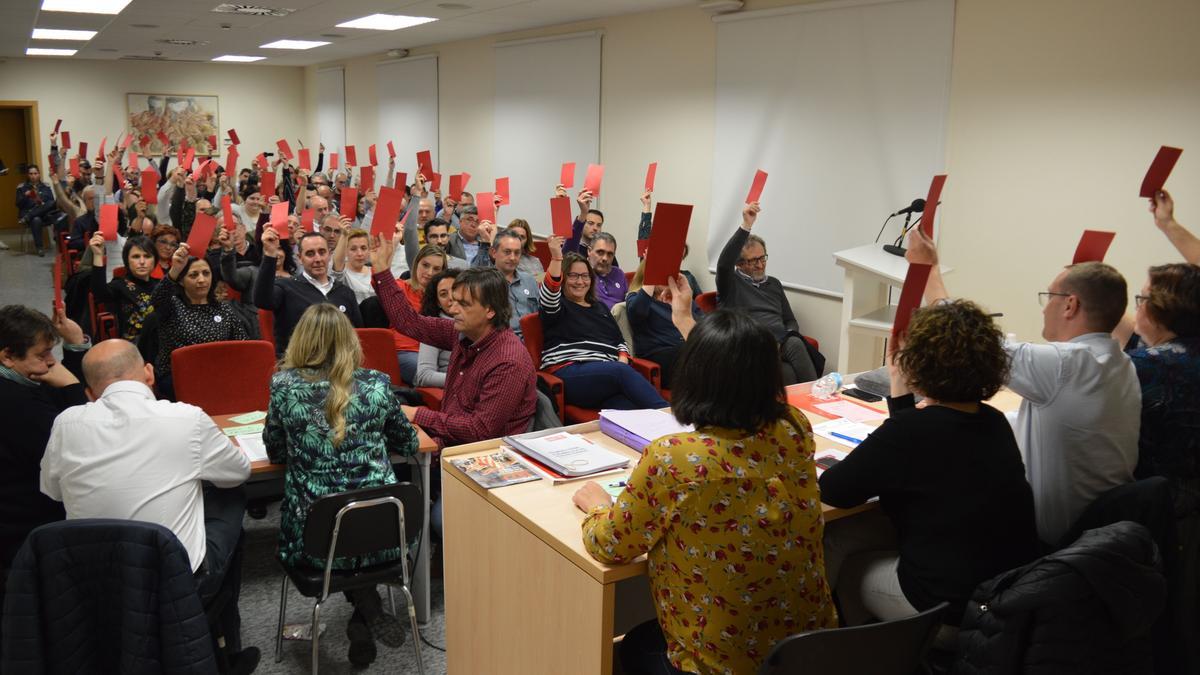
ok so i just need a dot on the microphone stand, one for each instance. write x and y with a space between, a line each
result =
895 247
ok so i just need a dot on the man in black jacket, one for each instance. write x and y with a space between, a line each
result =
289 298
35 205
34 389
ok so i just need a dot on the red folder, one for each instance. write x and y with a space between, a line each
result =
233 136
401 181
391 150
333 160
284 149
66 140
306 220
231 163
456 187
83 150
58 299
667 240
74 162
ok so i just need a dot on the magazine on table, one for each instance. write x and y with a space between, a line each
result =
566 453
495 470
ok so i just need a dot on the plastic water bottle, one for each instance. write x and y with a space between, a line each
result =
827 386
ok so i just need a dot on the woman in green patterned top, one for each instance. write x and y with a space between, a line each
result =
333 423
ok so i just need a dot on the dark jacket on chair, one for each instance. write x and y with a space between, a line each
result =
1085 609
104 596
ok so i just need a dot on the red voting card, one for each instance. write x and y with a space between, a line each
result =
201 235
66 140
387 212
133 159
595 174
485 202
651 171
1092 246
285 150
560 215
201 170
212 144
83 150
305 160
401 181
425 164
366 179
74 161
1160 170
117 173
267 184
102 142
164 139
144 142
391 150
756 186
667 240
910 299
231 162
58 300
502 190
57 126
435 182
279 219
931 204
127 142
306 220
456 187
642 245
149 183
182 154
108 221
348 201
188 158
261 160
227 213
567 177
374 159
351 156
333 160
233 137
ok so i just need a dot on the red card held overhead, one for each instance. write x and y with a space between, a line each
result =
567 177
306 220
502 190
108 221
66 140
756 186
188 159
83 149
910 299
279 219
74 164
233 137
667 240
127 141
351 156
595 174
1093 245
212 144
133 159
333 160
149 183
231 163
144 142
642 245
102 142
266 184
305 159
164 139
651 171
560 216
227 213
57 126
456 187
202 233
1160 170
374 159
348 202
387 212
285 150
485 202
391 150
117 173
931 203
425 164
435 182
401 181
366 179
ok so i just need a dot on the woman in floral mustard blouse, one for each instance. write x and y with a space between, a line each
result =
729 514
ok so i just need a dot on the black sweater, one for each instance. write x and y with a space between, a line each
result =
954 486
766 302
288 298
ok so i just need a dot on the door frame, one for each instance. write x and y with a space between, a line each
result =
32 137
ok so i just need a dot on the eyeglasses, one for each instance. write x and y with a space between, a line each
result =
754 262
1139 300
1044 297
578 276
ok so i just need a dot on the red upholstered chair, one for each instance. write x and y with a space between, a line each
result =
224 377
266 326
379 352
707 302
629 278
542 250
531 329
432 397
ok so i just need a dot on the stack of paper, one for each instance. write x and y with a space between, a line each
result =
638 428
567 453
844 431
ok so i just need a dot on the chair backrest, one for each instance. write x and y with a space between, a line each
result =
541 249
707 302
888 648
266 325
1147 502
224 377
119 272
629 278
531 332
379 352
369 520
622 318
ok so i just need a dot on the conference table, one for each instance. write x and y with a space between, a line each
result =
264 470
522 593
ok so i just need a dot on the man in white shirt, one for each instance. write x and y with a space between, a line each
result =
1079 421
127 455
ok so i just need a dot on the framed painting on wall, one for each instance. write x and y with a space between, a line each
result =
181 117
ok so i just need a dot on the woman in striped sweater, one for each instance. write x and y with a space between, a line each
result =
583 345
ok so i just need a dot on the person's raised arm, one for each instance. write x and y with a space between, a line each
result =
585 202
266 294
1163 208
682 314
431 330
98 279
921 250
339 252
320 158
164 296
727 261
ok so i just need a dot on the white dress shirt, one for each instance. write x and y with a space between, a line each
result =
1078 425
129 456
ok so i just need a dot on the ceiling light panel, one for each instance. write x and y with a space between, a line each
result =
235 58
386 22
293 44
62 34
85 6
42 51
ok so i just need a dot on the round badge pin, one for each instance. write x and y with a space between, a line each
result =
217 318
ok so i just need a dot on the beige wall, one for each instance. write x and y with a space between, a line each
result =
1056 109
262 103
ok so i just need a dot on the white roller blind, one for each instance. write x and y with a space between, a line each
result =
547 112
408 111
844 105
331 108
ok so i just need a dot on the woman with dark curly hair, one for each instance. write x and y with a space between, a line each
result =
957 509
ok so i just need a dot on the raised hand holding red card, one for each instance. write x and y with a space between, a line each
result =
371 155
108 221
366 179
305 159
203 228
485 202
502 190
227 213
348 202
667 240
567 177
1159 171
910 298
1093 246
387 212
560 216
279 219
351 156
651 172
595 175
285 150
756 186
425 164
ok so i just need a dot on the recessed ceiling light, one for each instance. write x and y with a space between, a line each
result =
386 22
85 6
42 51
59 34
293 44
239 59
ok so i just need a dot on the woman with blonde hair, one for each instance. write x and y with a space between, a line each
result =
334 423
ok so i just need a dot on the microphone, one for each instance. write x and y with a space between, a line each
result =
917 206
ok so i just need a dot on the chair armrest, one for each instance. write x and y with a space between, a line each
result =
556 388
432 396
649 370
107 325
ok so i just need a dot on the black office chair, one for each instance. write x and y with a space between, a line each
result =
888 648
351 524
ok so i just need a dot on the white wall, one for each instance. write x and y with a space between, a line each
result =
262 103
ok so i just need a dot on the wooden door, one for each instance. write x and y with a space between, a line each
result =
14 150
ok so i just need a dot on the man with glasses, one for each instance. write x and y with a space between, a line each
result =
1079 421
742 283
611 286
